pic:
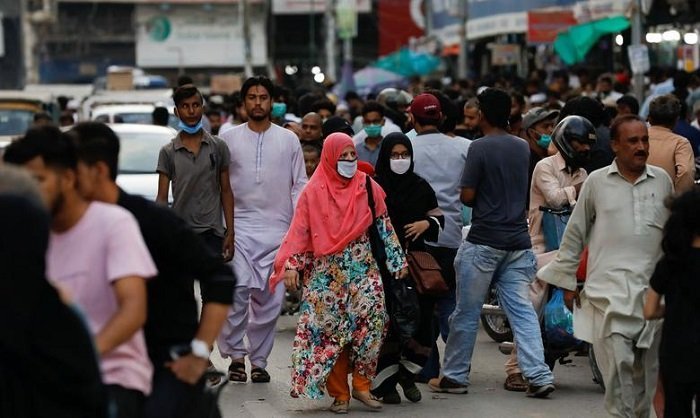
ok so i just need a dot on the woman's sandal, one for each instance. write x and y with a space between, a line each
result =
367 399
236 372
259 375
339 407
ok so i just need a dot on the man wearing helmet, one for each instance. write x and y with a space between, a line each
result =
556 183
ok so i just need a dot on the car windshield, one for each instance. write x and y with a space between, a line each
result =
15 122
142 118
139 151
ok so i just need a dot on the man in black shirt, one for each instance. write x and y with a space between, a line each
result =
181 256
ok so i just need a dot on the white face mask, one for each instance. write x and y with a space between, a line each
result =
347 168
400 166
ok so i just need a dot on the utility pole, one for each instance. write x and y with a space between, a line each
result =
329 17
638 78
29 45
462 58
244 10
428 17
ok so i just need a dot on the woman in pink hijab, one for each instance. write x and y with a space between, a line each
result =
327 252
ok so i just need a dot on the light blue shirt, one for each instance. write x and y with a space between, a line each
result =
440 160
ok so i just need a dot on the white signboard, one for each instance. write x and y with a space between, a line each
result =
639 58
590 10
497 25
288 7
192 36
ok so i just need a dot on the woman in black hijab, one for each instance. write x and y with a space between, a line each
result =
413 210
48 367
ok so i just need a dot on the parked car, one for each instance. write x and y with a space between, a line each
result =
138 157
129 113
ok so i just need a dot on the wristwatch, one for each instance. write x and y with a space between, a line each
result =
200 349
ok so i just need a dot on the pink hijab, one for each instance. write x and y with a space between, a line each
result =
332 211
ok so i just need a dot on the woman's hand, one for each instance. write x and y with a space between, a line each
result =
414 230
291 280
401 274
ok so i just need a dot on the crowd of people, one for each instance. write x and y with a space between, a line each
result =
274 193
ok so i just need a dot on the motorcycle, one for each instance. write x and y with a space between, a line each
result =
493 315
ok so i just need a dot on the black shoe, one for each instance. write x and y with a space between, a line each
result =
410 391
392 398
445 385
539 391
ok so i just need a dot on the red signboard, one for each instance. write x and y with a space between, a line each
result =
543 27
396 25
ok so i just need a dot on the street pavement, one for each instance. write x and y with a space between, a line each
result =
576 395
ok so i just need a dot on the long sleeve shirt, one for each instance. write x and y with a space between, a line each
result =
552 187
674 154
267 175
622 224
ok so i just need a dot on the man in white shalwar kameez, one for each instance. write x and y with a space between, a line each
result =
620 215
267 175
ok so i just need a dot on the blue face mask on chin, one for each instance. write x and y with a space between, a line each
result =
188 128
544 141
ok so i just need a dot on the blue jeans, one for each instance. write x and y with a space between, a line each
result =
511 271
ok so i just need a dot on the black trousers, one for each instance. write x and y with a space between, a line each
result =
214 242
125 403
678 402
173 398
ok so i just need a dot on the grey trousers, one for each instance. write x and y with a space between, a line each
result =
630 375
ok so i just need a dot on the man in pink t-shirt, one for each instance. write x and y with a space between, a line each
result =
98 260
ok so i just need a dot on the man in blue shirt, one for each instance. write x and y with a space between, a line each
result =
497 249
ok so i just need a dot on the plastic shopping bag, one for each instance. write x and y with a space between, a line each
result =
559 321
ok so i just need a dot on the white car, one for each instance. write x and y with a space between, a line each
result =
129 113
138 157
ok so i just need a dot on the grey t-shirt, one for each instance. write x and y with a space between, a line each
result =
196 181
440 160
497 167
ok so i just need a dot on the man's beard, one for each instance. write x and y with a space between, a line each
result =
258 118
58 204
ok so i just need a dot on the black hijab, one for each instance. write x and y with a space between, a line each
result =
408 196
48 366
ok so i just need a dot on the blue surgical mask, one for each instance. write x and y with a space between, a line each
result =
189 129
347 168
373 131
544 141
279 110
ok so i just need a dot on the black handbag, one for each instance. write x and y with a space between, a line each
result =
400 296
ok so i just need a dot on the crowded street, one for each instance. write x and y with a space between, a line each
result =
287 208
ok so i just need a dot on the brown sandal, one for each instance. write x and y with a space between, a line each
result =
515 383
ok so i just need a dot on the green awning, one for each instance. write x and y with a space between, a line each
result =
573 45
408 63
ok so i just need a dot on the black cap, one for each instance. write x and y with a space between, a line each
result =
336 124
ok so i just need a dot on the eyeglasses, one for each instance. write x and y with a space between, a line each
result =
401 156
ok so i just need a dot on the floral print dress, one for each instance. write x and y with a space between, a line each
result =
342 305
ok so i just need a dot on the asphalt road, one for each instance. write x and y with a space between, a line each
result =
576 396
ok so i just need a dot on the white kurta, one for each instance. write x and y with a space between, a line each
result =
267 175
622 224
